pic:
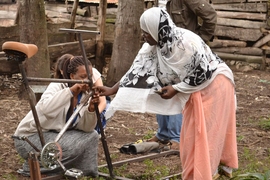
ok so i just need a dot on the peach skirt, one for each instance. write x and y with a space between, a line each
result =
208 135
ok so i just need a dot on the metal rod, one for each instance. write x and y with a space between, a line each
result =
78 31
80 106
104 142
85 61
27 140
142 158
30 79
32 104
103 138
115 177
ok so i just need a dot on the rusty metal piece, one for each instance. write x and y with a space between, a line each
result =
34 166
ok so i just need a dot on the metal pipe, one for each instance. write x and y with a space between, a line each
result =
85 61
30 79
80 106
78 31
27 140
103 137
32 104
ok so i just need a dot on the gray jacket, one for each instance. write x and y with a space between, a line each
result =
185 14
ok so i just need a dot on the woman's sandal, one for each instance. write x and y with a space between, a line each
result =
155 139
225 170
174 145
216 175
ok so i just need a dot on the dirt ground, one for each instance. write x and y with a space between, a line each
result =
253 94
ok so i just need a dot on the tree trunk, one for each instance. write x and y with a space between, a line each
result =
127 38
33 30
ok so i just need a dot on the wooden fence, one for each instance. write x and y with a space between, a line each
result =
242 30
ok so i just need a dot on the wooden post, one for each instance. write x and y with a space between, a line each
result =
101 23
72 19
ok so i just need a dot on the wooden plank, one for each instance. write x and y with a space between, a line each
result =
57 50
235 1
53 14
57 7
6 1
240 23
227 1
4 14
8 7
247 7
240 50
238 57
242 15
6 22
257 0
262 41
218 43
238 33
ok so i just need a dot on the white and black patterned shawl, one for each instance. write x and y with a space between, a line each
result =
181 58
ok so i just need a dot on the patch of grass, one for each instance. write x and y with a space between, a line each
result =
251 165
250 176
153 171
104 170
110 21
113 156
240 138
264 81
132 131
149 134
264 123
20 159
9 177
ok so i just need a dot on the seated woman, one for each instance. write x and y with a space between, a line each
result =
80 142
58 73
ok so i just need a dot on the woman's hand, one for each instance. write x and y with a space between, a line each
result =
168 92
106 91
77 88
103 90
94 100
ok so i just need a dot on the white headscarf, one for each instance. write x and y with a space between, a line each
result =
181 59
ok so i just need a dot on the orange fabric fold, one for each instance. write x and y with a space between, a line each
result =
208 135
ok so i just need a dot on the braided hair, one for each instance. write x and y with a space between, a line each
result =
71 66
59 65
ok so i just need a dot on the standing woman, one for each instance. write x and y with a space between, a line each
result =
80 142
190 79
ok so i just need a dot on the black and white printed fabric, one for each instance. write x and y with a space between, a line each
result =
180 58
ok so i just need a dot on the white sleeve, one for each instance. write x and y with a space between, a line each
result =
88 122
54 99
